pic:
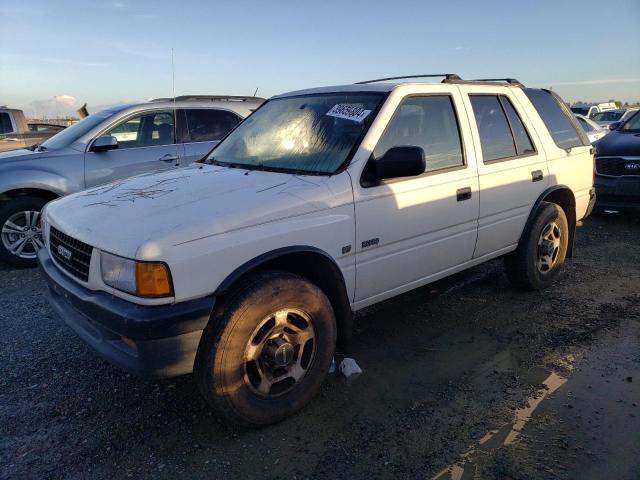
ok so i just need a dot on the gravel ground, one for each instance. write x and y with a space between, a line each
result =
444 366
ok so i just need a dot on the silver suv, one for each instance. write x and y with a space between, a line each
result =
119 142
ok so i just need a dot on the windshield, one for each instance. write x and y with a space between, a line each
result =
633 124
580 110
70 134
310 133
607 116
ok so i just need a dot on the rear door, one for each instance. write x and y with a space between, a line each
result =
202 129
146 143
512 166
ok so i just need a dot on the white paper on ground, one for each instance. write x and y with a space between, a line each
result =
349 367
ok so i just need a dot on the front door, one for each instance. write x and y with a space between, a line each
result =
146 143
410 230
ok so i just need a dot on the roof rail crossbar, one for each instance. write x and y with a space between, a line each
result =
511 81
447 76
212 98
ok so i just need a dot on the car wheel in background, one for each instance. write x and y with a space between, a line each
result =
267 351
542 250
21 233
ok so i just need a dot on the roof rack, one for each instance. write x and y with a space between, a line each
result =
447 76
211 98
511 81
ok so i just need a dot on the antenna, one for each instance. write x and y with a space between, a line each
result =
256 92
175 112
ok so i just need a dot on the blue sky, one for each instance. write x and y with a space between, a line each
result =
113 51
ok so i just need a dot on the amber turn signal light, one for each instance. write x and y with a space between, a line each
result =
152 280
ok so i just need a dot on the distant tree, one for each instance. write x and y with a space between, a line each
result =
618 103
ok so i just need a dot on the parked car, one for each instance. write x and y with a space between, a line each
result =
606 119
617 178
16 133
592 129
118 142
590 109
246 269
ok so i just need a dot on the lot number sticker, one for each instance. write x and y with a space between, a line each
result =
349 111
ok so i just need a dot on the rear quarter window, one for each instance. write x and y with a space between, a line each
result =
564 129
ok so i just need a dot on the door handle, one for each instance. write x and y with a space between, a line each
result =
463 194
536 175
169 158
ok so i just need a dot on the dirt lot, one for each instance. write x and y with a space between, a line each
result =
452 373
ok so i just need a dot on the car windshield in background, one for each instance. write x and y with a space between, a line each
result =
607 116
633 124
580 110
310 133
70 134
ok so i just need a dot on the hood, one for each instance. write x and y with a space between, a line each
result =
20 154
186 204
617 143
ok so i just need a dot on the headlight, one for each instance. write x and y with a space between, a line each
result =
144 279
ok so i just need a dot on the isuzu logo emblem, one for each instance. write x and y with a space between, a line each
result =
64 252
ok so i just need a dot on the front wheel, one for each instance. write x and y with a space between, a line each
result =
21 234
542 250
266 354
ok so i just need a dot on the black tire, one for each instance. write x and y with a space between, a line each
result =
8 210
224 375
522 266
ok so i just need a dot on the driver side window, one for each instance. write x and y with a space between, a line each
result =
145 130
430 123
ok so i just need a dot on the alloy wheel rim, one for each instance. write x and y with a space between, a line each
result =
279 353
22 234
549 245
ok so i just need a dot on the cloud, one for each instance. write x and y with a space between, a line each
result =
62 105
118 5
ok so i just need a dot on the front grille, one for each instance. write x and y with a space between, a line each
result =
617 166
77 263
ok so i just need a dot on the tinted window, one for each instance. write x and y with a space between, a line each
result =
429 123
145 130
520 134
557 121
495 135
580 110
207 125
584 124
5 123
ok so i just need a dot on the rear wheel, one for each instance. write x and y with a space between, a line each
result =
542 250
266 354
21 232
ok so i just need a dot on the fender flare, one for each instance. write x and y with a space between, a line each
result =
334 286
571 215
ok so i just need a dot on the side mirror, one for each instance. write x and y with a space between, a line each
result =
615 125
103 144
400 162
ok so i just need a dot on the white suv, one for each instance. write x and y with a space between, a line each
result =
246 269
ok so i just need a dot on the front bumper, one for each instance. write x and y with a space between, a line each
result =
618 193
157 341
